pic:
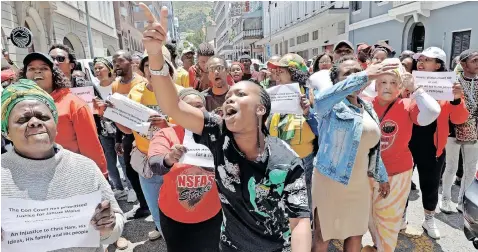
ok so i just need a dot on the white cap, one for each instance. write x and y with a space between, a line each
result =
432 52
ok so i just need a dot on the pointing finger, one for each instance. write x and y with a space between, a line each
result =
164 18
147 13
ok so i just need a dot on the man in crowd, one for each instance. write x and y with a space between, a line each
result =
343 48
182 75
217 74
63 57
273 77
248 72
198 75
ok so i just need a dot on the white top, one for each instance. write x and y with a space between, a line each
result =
105 91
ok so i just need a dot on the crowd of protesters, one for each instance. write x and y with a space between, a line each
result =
344 165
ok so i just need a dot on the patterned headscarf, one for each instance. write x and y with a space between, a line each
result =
106 62
20 91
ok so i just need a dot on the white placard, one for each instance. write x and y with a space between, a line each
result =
197 154
129 113
438 85
86 94
285 99
31 225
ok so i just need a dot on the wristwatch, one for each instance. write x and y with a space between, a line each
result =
163 72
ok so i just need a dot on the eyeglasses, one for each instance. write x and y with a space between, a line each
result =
216 68
60 59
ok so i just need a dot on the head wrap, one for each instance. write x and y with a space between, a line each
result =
239 64
106 62
20 91
191 91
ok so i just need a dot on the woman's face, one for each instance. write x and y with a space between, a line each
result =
237 73
379 56
388 87
284 75
427 64
101 71
242 107
32 129
194 101
41 73
347 68
407 63
325 62
135 64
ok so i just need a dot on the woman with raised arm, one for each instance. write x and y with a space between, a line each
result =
349 153
260 180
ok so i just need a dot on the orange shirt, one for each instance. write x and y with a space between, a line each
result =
189 193
76 127
396 128
124 89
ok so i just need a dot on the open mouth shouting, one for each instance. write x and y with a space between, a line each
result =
230 112
38 78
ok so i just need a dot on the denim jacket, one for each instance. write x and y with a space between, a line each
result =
340 130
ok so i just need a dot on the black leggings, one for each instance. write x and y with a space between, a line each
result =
198 237
132 175
429 169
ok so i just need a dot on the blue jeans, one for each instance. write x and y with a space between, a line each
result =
150 189
108 144
308 163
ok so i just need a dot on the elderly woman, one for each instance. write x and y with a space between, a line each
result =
349 153
76 126
189 211
38 169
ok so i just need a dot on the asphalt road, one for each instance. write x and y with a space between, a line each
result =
413 239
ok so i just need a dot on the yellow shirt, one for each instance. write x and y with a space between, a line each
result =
141 94
182 77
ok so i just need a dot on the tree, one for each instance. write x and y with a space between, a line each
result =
197 38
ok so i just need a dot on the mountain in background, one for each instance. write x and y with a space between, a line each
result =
192 15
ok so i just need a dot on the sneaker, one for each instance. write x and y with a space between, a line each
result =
122 243
445 206
459 208
131 196
430 228
120 194
137 213
130 214
404 224
154 235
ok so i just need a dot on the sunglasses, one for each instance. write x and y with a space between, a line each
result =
60 59
344 51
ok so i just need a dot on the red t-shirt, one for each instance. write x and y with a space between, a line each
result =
189 193
396 128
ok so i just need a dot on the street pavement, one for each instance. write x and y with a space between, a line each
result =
413 239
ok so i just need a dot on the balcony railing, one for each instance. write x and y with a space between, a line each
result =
252 33
400 3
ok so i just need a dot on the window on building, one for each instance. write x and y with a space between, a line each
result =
459 43
277 48
356 5
280 47
315 35
315 51
292 42
341 27
139 25
306 37
286 46
136 8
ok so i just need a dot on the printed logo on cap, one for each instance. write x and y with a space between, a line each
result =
21 37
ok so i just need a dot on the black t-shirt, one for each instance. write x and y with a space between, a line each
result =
213 102
257 198
246 77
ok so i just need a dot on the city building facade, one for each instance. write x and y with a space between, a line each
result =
416 25
140 20
303 27
60 22
129 36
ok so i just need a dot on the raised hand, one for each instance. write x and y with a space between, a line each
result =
156 32
375 70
